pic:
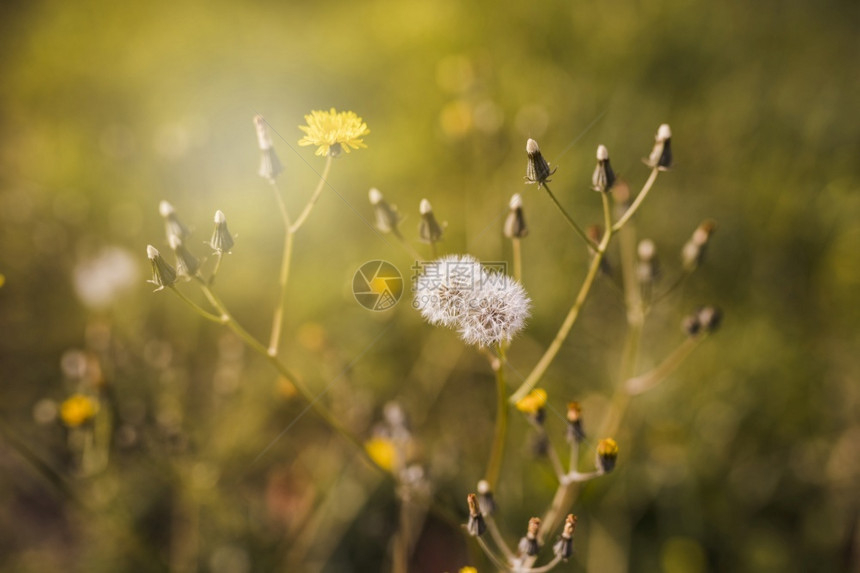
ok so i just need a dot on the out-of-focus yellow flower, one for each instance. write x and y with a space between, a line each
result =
382 452
533 402
333 132
77 410
468 570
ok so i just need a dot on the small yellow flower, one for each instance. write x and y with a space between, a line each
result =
468 570
382 452
77 410
607 447
333 131
533 402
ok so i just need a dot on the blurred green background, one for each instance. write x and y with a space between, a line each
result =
747 459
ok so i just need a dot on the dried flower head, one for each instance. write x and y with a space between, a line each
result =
564 546
537 168
222 240
78 409
604 177
529 544
661 153
333 132
163 275
607 454
429 229
515 224
270 165
476 525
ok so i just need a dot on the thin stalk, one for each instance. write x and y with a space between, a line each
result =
540 368
645 382
284 276
550 452
218 257
494 464
548 567
207 315
518 259
497 561
570 220
638 201
493 528
300 220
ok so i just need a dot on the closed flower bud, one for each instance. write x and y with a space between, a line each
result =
387 216
163 275
515 224
476 525
537 169
661 153
603 178
429 229
186 263
221 241
710 318
648 268
607 454
564 546
529 544
694 249
575 431
270 165
486 501
173 225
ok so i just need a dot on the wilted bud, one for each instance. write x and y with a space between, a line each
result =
529 544
537 169
564 546
603 178
661 153
163 275
221 241
607 454
270 165
515 224
476 526
429 229
387 216
186 263
173 225
694 249
575 431
648 268
486 501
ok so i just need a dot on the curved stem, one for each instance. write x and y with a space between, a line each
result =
570 220
300 220
207 315
645 382
493 528
494 464
497 561
638 201
540 368
518 259
278 315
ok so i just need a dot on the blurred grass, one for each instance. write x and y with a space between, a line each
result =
744 461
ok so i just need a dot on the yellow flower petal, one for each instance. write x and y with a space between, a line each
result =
77 410
533 402
332 131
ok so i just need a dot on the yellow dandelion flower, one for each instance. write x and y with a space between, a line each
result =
77 410
382 452
333 132
533 402
468 570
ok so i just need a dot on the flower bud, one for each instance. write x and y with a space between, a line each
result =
221 241
661 153
486 501
387 216
187 264
604 177
710 318
476 525
533 405
515 224
163 275
575 431
537 169
607 454
270 165
173 226
564 546
693 252
429 229
529 544
648 267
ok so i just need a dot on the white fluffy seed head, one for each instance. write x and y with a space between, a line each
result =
425 207
375 196
165 209
602 153
220 219
151 252
664 132
516 201
497 313
532 147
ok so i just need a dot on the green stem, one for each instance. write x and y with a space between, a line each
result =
284 276
207 315
645 382
540 368
314 198
494 464
218 257
570 220
518 259
638 201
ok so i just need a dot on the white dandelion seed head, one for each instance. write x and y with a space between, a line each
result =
497 314
446 287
